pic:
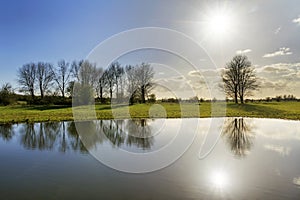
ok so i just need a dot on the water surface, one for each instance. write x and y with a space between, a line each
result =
253 159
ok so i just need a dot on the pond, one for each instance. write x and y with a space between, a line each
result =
248 159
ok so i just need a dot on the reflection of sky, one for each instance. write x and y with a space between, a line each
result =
272 163
281 150
296 181
270 170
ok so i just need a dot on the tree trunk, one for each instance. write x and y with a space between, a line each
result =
117 89
42 91
235 97
143 94
110 91
63 92
101 94
242 99
32 93
131 100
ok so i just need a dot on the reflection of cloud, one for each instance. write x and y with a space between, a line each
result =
243 51
296 181
297 20
277 172
281 150
281 52
277 129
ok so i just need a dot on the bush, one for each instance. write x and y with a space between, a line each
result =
7 95
50 100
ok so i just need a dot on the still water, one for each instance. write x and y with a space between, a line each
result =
251 159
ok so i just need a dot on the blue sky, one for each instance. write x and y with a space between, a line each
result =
36 30
266 31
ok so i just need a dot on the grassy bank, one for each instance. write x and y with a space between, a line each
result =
284 110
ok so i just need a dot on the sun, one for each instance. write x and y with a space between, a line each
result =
220 23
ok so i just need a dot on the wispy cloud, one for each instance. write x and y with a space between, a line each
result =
243 51
297 20
277 30
282 52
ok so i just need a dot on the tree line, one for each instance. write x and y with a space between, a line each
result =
129 83
117 82
122 82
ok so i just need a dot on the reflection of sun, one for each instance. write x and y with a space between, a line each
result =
219 179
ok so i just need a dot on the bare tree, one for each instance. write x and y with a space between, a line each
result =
89 74
110 79
145 75
75 68
45 77
84 89
118 72
27 77
239 78
70 88
102 83
132 82
62 75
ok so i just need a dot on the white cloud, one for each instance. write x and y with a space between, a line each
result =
282 51
243 51
277 30
297 20
195 73
278 79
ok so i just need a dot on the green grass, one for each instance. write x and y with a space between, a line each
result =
23 113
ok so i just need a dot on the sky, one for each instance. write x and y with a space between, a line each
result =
266 31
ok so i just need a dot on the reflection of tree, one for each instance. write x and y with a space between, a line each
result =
139 133
28 139
238 135
75 141
45 136
130 132
40 135
63 136
114 132
6 131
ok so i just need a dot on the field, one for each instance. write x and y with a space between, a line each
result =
284 110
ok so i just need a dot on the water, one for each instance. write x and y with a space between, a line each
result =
252 159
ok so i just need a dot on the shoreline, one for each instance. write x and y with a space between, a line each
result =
272 110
